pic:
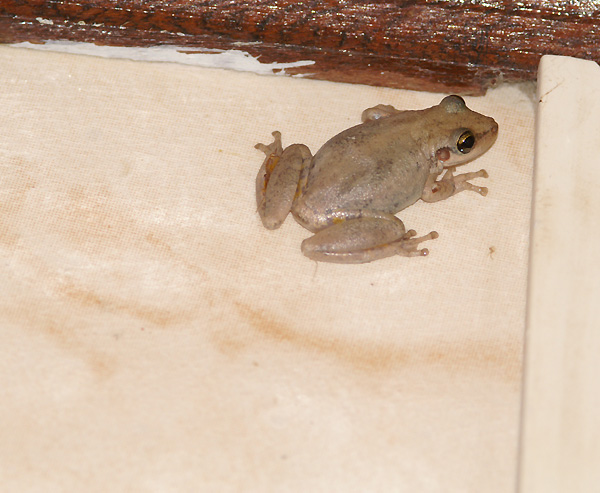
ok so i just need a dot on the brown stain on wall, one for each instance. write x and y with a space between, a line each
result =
102 365
133 307
63 329
92 222
15 183
89 220
163 246
367 357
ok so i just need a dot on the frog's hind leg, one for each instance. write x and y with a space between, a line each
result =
278 179
364 239
450 185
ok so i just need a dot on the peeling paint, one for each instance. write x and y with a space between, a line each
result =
211 58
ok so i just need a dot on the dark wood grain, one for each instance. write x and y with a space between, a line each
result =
460 46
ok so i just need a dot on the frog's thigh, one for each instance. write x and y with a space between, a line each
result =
362 240
276 188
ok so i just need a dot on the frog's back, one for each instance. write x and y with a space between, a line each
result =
378 166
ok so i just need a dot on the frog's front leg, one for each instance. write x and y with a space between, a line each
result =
363 237
449 185
278 180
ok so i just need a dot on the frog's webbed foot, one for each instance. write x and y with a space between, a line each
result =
364 239
450 185
278 180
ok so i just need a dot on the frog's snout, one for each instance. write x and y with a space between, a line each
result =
495 127
490 134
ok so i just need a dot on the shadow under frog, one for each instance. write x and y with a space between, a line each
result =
348 192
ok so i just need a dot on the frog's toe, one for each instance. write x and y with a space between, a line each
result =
275 147
461 183
407 245
465 185
262 147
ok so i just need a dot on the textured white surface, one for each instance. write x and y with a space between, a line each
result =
561 438
159 339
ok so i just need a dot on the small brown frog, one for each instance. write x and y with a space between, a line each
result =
349 191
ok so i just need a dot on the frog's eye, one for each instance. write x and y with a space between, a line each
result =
465 142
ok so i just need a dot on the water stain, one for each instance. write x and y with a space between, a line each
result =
480 357
63 329
101 364
15 185
130 306
94 231
162 245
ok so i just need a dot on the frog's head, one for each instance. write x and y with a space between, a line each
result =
468 134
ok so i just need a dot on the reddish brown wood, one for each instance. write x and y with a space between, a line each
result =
463 46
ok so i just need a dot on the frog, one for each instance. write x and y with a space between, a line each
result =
349 192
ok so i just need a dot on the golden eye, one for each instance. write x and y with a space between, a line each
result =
465 142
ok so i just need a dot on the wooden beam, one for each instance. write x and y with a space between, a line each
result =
430 45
